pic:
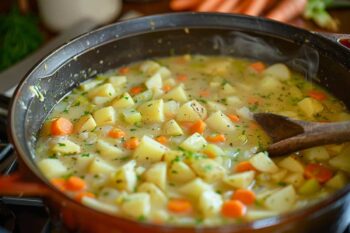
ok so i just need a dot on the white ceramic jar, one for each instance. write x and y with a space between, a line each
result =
61 14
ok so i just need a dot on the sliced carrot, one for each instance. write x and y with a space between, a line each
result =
317 95
244 166
186 124
210 154
162 139
182 78
179 206
318 172
204 93
59 183
287 10
233 117
209 5
167 88
233 209
179 5
75 183
227 6
136 90
245 196
81 195
253 126
217 138
256 8
116 133
132 143
258 66
61 126
253 100
124 70
198 127
240 8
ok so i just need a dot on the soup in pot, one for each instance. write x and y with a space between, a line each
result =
173 141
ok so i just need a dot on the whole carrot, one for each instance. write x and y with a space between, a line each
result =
209 5
240 8
287 10
179 5
227 6
256 7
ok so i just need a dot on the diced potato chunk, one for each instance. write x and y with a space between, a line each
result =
180 172
316 154
278 70
99 166
171 108
191 111
117 81
99 205
172 128
342 161
215 106
137 205
240 180
210 204
291 163
149 67
158 198
171 155
83 161
105 116
178 94
125 101
233 101
278 176
65 147
338 181
154 82
131 116
101 100
311 186
85 123
52 168
281 200
89 84
152 111
269 84
195 188
143 96
157 174
125 178
149 151
220 123
259 214
208 169
263 163
220 67
213 151
105 90
227 89
194 143
296 179
108 151
310 107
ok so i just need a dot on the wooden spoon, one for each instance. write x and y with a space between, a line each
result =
290 135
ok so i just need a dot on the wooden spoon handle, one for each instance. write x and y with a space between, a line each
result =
315 134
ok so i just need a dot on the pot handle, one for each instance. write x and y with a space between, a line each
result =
342 39
16 185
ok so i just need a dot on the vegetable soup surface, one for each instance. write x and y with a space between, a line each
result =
172 141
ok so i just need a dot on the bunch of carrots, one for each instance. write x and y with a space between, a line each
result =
281 10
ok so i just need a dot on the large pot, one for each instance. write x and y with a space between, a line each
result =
164 35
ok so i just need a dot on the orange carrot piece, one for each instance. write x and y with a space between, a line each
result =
75 183
217 138
179 206
242 6
244 166
124 70
59 183
287 10
179 5
167 88
198 127
227 6
256 8
132 143
258 66
162 139
233 117
61 126
245 196
136 90
204 93
253 126
210 154
181 78
318 172
116 133
209 5
81 195
317 95
233 209
253 100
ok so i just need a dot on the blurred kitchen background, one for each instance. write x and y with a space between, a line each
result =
27 25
